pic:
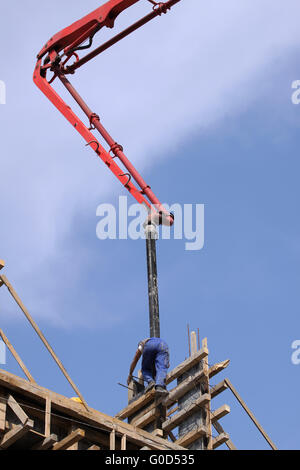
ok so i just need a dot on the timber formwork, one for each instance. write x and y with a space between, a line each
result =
32 417
184 416
35 418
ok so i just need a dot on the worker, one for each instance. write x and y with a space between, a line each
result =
155 363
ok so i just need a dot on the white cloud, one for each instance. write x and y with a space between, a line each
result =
176 77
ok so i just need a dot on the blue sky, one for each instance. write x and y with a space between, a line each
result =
201 101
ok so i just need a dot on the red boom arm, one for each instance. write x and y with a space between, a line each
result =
53 58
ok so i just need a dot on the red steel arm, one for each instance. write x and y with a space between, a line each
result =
53 58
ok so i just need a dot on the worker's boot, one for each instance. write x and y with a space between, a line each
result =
149 386
161 390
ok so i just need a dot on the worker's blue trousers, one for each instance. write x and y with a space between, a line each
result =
156 361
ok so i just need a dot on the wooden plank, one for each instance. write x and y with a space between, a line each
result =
15 434
250 414
140 377
16 356
3 405
219 388
185 413
75 410
170 412
220 430
130 391
123 442
99 438
43 339
189 338
207 407
219 440
194 348
19 412
94 447
145 419
181 389
218 368
178 391
186 365
191 437
220 413
132 387
48 417
75 445
142 413
69 440
161 414
46 443
112 440
136 405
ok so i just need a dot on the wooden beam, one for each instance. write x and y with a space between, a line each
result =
178 391
218 368
170 412
123 442
250 414
94 447
181 389
136 405
220 430
3 404
217 389
112 440
220 413
43 339
207 407
16 356
15 434
145 419
186 365
48 417
194 348
100 438
77 411
172 437
143 411
191 437
19 412
158 432
185 413
140 377
71 439
130 390
75 445
219 440
46 443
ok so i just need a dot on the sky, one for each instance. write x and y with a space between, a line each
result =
200 99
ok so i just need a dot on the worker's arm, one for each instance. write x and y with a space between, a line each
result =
133 364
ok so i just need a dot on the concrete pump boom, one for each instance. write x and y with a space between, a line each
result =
54 57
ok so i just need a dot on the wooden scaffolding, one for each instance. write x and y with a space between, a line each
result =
32 417
184 416
35 418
